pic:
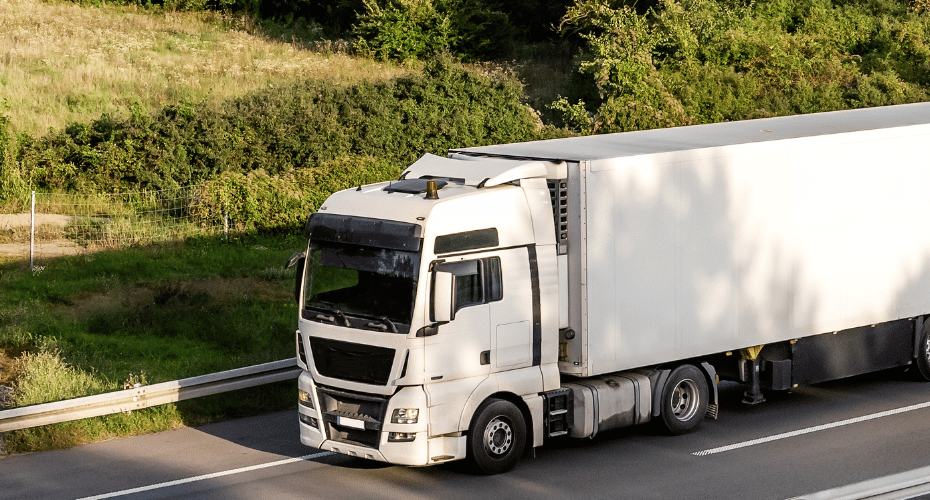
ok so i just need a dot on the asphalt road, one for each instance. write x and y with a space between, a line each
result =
813 439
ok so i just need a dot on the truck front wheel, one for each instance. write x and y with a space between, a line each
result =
684 400
497 436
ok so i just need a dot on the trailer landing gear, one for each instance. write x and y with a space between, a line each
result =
754 395
751 367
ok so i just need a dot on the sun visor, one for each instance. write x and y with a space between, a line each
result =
365 231
482 172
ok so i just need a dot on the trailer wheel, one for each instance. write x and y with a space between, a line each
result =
497 437
684 400
923 355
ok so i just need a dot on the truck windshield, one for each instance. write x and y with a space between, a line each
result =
360 286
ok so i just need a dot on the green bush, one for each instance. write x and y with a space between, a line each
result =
483 30
13 186
46 377
259 201
700 61
283 141
403 29
473 30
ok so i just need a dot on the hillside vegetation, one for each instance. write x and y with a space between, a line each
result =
311 135
700 61
665 63
61 62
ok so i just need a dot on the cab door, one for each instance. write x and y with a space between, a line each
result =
461 348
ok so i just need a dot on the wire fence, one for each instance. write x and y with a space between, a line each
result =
69 224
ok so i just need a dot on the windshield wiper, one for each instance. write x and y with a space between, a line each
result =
384 324
336 313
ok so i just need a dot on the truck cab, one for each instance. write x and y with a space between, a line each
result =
424 302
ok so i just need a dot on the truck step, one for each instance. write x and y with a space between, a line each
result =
558 412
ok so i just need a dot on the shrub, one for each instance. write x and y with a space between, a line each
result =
254 201
283 129
622 45
13 185
403 29
484 30
697 61
46 377
259 201
470 29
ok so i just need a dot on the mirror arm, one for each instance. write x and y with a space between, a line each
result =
429 330
297 257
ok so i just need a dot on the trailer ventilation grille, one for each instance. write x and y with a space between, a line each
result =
558 192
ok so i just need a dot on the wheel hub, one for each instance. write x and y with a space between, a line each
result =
685 400
498 437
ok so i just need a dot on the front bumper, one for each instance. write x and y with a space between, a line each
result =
359 425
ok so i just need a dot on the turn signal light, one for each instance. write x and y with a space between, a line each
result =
304 398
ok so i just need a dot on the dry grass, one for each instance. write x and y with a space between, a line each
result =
61 62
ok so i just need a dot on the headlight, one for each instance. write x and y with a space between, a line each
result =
305 398
405 416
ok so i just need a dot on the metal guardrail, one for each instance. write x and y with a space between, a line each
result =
147 395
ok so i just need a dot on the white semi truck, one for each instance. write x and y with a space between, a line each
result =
490 300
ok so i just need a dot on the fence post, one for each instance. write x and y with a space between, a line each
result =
32 232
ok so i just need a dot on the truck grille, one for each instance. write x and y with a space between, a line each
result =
365 410
354 362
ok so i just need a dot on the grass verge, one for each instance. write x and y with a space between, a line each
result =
100 322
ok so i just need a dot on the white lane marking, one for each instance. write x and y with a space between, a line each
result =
207 476
809 430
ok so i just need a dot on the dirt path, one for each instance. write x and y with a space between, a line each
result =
10 221
42 249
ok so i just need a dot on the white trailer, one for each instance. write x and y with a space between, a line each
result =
508 294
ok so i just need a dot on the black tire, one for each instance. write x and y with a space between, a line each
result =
684 400
497 437
922 362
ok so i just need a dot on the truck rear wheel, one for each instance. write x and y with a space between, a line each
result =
923 355
684 400
497 436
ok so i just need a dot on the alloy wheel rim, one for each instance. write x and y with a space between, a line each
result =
499 436
685 400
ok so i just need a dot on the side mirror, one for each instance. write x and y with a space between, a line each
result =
443 297
299 259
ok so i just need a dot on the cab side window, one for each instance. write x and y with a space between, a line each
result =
476 281
468 289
